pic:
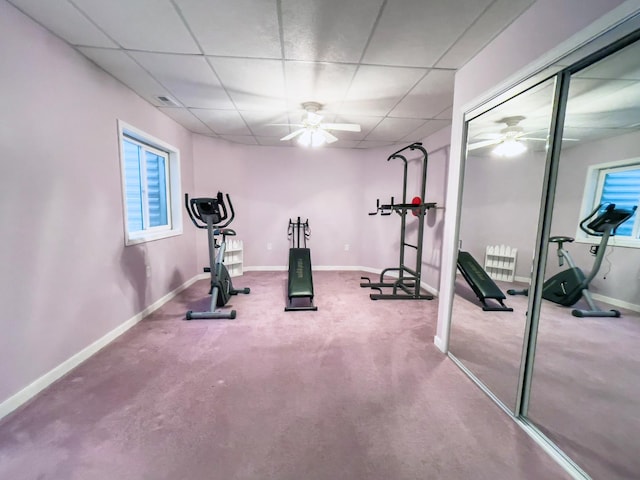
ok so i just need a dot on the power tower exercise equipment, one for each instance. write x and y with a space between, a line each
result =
407 284
211 213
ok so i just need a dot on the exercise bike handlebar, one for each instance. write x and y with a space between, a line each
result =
413 146
607 221
195 215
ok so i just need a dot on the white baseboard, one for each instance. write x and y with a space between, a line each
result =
615 302
18 399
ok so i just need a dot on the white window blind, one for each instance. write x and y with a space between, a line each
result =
622 187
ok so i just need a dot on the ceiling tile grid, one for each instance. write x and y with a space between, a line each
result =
241 70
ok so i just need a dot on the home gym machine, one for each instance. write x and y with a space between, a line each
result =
481 283
407 284
212 214
300 284
570 285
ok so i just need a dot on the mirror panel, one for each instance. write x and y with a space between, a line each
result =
503 179
585 390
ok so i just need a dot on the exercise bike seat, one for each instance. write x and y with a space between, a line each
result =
229 232
560 239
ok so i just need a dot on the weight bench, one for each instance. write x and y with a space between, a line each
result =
481 283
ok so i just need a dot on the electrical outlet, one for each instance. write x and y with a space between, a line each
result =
346 247
148 270
269 246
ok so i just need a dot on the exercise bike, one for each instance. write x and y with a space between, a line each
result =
570 285
211 213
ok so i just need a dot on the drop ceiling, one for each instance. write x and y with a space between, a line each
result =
233 69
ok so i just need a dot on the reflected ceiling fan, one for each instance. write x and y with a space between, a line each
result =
509 141
312 132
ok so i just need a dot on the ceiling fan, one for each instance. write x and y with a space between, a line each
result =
312 132
510 137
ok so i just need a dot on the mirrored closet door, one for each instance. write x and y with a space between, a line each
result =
503 179
585 388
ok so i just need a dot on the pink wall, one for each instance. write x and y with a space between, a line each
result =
67 278
333 188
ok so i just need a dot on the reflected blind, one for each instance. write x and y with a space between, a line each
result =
622 187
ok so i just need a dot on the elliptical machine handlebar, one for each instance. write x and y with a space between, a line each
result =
200 208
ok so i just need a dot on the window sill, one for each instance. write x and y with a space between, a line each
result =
151 236
613 242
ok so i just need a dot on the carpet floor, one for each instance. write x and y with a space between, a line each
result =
356 390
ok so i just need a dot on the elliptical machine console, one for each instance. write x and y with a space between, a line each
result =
212 214
570 285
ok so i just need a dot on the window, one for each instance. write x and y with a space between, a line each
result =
619 183
151 186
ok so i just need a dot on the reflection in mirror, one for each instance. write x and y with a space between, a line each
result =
504 170
585 392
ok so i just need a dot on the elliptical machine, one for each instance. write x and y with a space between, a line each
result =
210 213
568 286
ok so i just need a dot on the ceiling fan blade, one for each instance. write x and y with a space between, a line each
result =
294 134
299 125
345 127
485 143
328 137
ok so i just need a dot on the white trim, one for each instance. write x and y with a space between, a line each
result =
615 302
18 399
174 186
439 344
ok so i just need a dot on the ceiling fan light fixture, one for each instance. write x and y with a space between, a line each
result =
509 148
311 138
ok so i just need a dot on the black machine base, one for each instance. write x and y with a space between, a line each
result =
403 289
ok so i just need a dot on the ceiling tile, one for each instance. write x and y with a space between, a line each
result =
244 139
189 78
495 19
273 142
66 21
125 69
151 25
330 30
253 84
418 33
394 128
367 124
445 114
374 144
223 122
429 128
221 26
341 143
185 118
262 123
376 90
432 95
325 83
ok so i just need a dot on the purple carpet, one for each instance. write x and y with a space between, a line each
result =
356 390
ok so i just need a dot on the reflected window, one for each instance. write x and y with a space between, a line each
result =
616 183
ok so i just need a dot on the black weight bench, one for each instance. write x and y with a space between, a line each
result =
481 283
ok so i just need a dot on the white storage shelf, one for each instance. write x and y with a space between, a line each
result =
500 262
233 257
